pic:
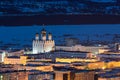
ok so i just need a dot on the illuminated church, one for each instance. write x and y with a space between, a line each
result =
44 44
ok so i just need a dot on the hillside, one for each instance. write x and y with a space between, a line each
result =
53 7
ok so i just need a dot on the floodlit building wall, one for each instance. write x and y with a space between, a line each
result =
43 45
110 78
84 76
69 60
93 49
12 60
113 64
44 68
2 55
96 65
62 75
68 75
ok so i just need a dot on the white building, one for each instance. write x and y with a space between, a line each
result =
2 55
44 44
92 49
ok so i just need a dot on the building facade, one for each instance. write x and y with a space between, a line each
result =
92 49
44 44
2 55
74 75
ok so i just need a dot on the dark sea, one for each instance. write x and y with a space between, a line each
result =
22 36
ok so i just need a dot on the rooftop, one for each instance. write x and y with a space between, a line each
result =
13 57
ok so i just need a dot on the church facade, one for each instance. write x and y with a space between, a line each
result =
43 45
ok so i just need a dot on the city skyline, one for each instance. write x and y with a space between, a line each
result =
59 40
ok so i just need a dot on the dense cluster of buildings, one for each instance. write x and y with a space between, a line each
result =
47 61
